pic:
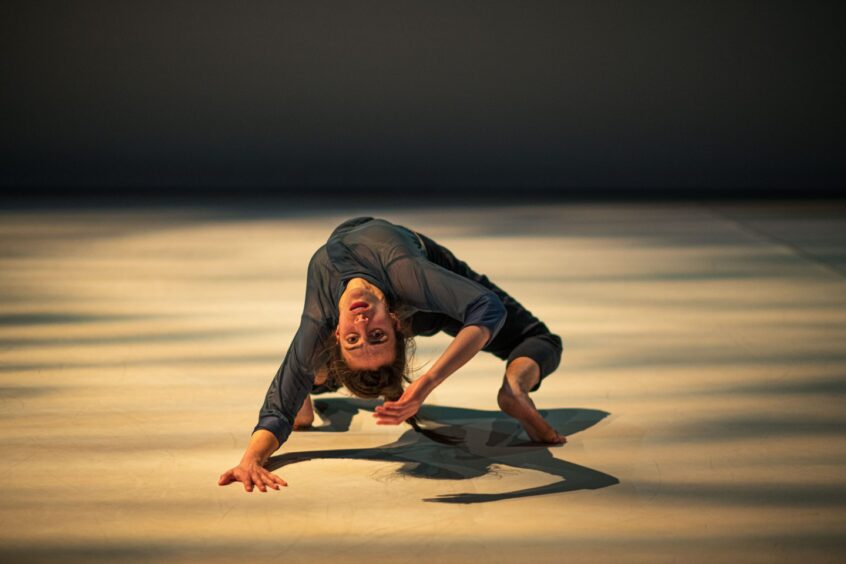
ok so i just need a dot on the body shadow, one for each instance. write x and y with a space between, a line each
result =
458 443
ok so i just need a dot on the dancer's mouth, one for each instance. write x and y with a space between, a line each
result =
359 306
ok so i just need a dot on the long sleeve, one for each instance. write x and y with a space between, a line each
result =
426 286
289 387
295 377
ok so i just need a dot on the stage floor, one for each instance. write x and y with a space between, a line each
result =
702 390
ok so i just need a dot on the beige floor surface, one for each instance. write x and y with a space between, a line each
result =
702 389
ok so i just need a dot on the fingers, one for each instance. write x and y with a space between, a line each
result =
264 479
393 417
257 480
277 479
389 418
393 412
391 406
399 417
268 481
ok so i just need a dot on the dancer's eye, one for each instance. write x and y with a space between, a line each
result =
352 339
377 336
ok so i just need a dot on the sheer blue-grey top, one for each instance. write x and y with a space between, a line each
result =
394 259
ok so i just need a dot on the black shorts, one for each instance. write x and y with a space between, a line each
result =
523 334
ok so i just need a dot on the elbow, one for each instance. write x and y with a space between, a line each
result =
494 318
489 312
500 314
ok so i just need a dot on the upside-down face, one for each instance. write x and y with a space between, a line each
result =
367 330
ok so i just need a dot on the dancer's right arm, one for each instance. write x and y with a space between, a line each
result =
250 471
262 445
287 392
284 398
285 395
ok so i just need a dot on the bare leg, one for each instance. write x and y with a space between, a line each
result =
305 417
513 398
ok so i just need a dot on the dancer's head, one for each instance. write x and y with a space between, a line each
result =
371 345
385 380
367 330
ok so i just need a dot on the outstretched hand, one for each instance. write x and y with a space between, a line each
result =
250 474
395 412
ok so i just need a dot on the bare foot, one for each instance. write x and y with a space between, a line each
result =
305 417
522 408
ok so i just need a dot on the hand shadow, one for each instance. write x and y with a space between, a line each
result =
458 443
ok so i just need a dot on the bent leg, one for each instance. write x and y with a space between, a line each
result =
305 417
531 351
544 348
522 375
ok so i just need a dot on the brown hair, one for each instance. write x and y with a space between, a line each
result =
385 381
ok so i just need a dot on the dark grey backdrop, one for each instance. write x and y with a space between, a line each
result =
560 96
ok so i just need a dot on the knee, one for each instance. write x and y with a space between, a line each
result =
520 375
521 367
557 344
558 351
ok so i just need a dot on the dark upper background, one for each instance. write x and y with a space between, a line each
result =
559 97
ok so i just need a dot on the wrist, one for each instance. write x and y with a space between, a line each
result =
262 444
430 381
250 458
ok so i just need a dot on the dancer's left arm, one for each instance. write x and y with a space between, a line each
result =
467 342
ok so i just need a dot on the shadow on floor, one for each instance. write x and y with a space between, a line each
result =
458 443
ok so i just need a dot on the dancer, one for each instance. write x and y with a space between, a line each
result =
370 289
